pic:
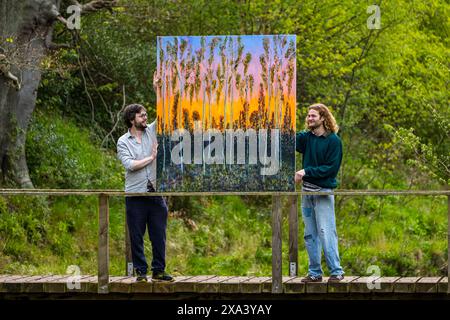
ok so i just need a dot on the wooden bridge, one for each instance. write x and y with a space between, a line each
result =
210 286
207 287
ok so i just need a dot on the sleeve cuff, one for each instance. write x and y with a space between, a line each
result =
307 172
129 165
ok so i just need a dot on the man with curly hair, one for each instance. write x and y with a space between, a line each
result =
322 157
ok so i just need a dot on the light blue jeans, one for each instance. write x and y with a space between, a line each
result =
320 232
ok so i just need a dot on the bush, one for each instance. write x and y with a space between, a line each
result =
62 156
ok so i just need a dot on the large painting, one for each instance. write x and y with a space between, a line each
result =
226 113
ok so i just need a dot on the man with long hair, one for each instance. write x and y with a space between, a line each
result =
137 150
322 157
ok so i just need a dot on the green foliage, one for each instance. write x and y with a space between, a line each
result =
23 224
421 155
403 236
61 155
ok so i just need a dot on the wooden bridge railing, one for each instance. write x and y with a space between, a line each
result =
103 225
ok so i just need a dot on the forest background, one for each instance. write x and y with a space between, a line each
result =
388 89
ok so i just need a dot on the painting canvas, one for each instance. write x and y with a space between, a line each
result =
226 113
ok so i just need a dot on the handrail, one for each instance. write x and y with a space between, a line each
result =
103 226
112 192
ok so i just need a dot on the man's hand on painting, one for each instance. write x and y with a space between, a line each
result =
156 80
299 176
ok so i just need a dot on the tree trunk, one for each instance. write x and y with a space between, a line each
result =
28 23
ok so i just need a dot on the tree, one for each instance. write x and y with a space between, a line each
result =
248 84
186 123
26 38
225 67
211 84
175 124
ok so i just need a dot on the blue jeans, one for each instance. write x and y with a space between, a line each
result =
147 213
320 232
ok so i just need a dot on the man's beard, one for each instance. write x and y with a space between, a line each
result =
313 126
140 126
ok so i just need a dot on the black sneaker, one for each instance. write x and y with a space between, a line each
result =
162 277
310 278
141 277
336 278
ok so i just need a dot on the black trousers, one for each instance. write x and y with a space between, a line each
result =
150 212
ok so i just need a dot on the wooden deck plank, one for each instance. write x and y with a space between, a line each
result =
89 284
43 278
5 280
168 287
10 278
121 284
11 283
58 284
233 285
253 285
182 278
317 287
85 281
20 278
117 285
443 285
405 285
117 278
364 284
128 279
14 283
267 285
188 285
386 284
342 286
32 278
427 285
34 284
294 285
141 287
211 285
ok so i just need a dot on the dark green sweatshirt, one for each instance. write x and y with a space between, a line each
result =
322 157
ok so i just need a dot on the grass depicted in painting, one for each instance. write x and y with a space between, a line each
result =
213 91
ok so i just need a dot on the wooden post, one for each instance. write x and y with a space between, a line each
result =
103 244
277 284
129 270
448 243
293 236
